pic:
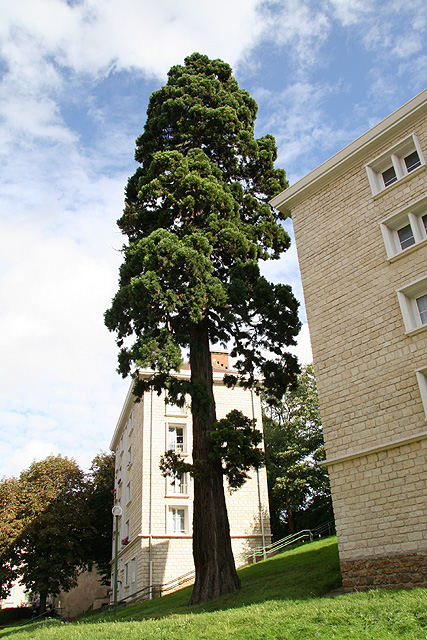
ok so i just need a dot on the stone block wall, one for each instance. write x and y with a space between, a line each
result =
386 572
365 362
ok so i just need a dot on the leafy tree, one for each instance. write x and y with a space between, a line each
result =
100 503
298 487
198 222
10 527
51 548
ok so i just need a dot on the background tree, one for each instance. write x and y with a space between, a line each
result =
100 503
198 222
51 548
299 490
10 527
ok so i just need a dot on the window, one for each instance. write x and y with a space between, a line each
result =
422 308
126 574
133 575
177 485
406 237
405 229
129 491
129 456
176 438
389 176
422 383
413 304
412 161
177 520
174 410
395 164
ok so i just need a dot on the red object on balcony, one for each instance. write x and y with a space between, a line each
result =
125 541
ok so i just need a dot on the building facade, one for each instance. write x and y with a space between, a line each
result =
360 222
155 528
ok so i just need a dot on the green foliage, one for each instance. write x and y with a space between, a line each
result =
10 527
298 486
100 502
234 440
56 521
51 548
13 614
198 221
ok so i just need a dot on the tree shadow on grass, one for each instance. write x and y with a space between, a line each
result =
309 571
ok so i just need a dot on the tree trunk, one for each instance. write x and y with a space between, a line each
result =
213 557
42 607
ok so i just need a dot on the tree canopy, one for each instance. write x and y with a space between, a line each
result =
299 490
197 222
100 502
56 522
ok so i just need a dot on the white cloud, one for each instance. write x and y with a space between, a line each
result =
303 348
304 130
350 12
62 185
302 27
93 36
17 459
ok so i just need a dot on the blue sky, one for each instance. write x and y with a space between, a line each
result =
75 81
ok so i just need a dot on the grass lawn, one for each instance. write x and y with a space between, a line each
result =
284 597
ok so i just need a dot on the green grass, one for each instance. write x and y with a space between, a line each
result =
284 597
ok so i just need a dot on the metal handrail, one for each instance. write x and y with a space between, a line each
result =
262 553
157 590
254 555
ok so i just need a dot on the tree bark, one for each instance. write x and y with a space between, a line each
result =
213 557
42 607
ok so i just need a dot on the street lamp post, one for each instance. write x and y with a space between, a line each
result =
117 512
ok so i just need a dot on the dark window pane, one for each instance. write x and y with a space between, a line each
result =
422 308
412 161
424 219
389 176
406 237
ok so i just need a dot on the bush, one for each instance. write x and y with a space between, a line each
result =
14 614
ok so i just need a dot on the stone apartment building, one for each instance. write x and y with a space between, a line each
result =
155 529
360 222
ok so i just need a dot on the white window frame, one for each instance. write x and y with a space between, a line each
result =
126 575
411 215
129 492
129 456
173 409
171 443
394 157
177 485
422 383
407 297
133 575
171 520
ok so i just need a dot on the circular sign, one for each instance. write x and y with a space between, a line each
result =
117 511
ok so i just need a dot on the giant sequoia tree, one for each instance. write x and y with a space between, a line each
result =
198 222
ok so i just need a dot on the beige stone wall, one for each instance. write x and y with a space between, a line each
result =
144 426
365 363
89 593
